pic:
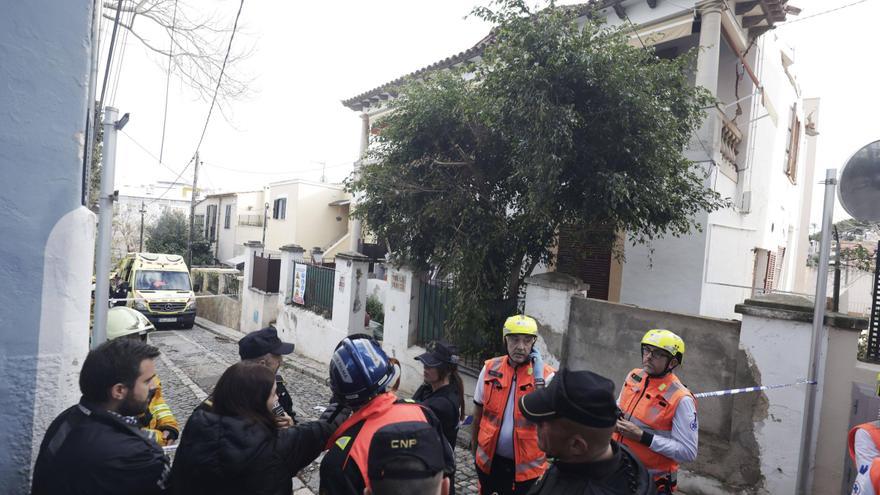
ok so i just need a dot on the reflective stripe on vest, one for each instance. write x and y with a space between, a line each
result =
872 428
650 403
529 460
379 412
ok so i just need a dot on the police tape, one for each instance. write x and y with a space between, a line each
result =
734 391
163 299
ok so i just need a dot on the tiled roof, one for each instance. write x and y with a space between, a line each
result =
774 9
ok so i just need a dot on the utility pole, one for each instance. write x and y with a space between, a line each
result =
141 242
192 212
105 224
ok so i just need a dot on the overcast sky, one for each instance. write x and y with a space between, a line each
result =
307 56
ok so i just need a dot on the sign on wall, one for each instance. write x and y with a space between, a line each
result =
398 281
299 283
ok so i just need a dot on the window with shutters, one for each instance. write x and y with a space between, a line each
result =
770 274
211 223
793 146
279 209
228 218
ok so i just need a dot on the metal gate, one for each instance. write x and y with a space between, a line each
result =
872 352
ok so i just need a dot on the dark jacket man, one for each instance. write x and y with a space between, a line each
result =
96 446
576 415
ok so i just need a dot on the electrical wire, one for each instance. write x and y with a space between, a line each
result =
213 103
123 45
168 80
108 66
820 13
241 171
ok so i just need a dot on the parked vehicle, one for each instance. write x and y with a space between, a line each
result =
159 286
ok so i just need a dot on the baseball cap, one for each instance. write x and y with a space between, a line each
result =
262 342
405 441
437 354
581 396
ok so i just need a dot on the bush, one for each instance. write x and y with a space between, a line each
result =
375 309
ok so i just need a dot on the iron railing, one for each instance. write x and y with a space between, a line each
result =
872 353
230 284
318 294
433 308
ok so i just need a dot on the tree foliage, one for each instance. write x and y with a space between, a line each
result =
169 235
476 169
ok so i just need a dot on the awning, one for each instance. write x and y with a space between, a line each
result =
235 261
339 202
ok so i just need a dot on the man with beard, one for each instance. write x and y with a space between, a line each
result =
96 447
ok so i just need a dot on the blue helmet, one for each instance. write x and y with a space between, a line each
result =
360 370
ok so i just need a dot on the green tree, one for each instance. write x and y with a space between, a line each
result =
169 234
476 169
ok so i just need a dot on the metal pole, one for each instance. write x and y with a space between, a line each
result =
105 232
835 299
808 433
141 242
192 213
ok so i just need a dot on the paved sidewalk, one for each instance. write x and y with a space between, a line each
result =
193 360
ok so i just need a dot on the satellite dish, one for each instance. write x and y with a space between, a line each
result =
859 185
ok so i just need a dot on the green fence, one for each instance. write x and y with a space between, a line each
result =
433 308
318 296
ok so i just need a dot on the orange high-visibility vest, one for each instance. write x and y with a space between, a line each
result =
650 402
382 410
529 460
873 429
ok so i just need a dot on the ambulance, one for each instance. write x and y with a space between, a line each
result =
159 286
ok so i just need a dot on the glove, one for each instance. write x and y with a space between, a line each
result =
538 367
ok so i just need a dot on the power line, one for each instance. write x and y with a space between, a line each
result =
122 49
110 54
242 171
213 102
821 13
220 77
147 151
168 80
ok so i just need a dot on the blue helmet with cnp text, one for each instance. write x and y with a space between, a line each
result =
360 370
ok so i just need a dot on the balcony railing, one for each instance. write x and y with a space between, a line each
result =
731 137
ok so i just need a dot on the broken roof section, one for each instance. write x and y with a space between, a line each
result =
758 16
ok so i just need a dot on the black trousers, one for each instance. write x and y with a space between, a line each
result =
501 480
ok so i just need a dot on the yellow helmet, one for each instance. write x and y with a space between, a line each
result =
666 340
520 324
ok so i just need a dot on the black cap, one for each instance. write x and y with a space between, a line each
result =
262 342
438 353
581 396
408 440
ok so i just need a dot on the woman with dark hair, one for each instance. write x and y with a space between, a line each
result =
235 446
443 391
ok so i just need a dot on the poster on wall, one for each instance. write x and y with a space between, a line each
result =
299 283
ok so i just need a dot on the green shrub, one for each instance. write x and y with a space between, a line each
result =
375 309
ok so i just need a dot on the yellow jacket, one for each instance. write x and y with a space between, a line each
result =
159 418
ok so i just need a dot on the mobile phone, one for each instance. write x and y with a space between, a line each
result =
277 410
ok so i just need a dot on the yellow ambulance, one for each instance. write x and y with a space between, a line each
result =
159 286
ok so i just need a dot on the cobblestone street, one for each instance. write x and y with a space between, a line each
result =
193 360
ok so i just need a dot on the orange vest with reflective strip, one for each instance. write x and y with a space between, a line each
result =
529 460
873 429
650 402
382 410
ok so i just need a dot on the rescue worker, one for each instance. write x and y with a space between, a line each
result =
863 443
96 446
505 444
360 378
407 458
158 422
659 421
263 346
576 415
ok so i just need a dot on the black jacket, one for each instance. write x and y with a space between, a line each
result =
444 403
623 474
229 455
87 450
